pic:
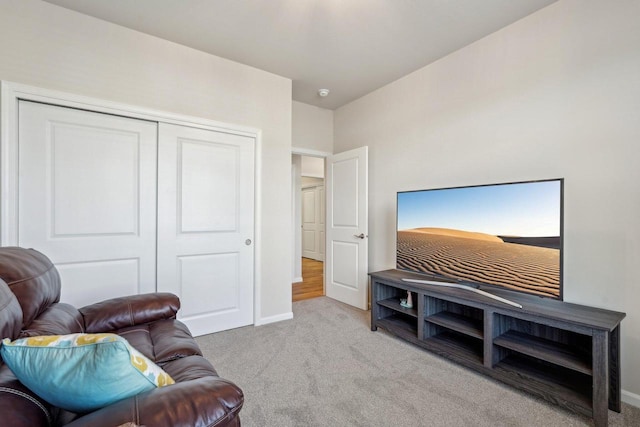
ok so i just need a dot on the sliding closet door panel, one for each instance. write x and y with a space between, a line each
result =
205 226
87 199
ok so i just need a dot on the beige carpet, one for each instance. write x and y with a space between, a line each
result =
326 368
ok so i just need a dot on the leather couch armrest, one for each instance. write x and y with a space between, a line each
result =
118 313
19 406
207 401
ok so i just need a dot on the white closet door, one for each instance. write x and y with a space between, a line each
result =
205 226
87 199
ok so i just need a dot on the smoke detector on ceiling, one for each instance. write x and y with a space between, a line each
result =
323 92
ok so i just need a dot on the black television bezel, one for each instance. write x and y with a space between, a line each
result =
489 285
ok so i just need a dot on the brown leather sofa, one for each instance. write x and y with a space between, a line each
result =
29 306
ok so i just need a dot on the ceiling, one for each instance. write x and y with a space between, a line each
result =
350 47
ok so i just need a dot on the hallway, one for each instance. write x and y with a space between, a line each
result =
313 279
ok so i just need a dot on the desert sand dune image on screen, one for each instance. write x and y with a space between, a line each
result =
480 258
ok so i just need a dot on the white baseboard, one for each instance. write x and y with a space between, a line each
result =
631 398
297 280
274 319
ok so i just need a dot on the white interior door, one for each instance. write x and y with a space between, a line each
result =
87 199
313 222
347 227
205 225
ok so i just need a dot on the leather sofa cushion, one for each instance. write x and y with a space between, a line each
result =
32 278
161 341
189 368
58 319
10 313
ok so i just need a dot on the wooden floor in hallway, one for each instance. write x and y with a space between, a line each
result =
312 281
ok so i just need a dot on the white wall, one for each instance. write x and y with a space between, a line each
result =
312 127
556 94
311 182
47 46
313 167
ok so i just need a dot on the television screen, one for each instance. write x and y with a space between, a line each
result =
500 235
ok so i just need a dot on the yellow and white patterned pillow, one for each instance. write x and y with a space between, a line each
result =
82 372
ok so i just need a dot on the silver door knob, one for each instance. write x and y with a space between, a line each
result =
359 236
247 242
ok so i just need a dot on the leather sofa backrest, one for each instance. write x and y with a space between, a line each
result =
32 278
10 313
57 319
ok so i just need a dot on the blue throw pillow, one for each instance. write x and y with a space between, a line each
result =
82 372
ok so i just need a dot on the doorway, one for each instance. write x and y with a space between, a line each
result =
346 226
309 226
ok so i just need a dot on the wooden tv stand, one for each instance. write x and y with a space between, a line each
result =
565 353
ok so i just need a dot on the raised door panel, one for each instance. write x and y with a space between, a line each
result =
344 175
87 198
208 175
94 180
310 244
205 226
213 275
308 206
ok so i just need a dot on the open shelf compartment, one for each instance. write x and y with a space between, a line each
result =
548 381
456 317
455 345
560 347
401 325
394 304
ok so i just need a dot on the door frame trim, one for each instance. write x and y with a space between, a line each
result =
11 93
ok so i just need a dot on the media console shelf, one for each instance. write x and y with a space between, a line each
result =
565 353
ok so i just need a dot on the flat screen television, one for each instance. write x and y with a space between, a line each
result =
500 235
